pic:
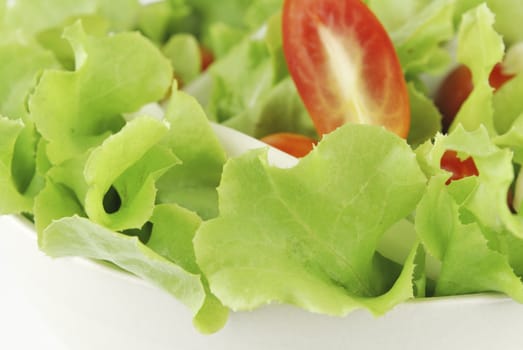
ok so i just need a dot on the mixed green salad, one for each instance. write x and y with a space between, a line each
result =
369 218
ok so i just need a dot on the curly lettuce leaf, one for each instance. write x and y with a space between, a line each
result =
77 236
27 18
121 14
52 38
221 38
105 84
153 20
54 202
468 224
418 36
509 14
175 244
308 235
507 104
513 139
117 180
393 14
425 118
486 199
244 15
281 110
167 259
193 183
476 33
239 79
21 66
260 10
469 263
114 183
126 167
184 54
251 90
11 200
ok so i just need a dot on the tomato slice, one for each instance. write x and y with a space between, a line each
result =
293 144
459 168
344 65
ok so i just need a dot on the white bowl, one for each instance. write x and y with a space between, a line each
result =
73 303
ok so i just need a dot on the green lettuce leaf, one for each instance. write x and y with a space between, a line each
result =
425 118
122 14
76 236
469 263
486 199
52 38
308 235
507 104
114 183
509 13
153 20
419 39
173 232
274 41
11 200
281 110
193 183
27 18
239 79
235 13
126 167
167 258
54 202
467 224
22 64
221 38
393 14
513 139
259 11
105 84
252 92
184 53
480 47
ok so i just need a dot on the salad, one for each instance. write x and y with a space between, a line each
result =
407 120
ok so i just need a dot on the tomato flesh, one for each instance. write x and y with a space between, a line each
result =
344 65
294 144
459 168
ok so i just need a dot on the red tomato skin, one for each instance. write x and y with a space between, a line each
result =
294 144
459 168
451 94
457 86
381 87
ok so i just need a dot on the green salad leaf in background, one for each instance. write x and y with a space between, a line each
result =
366 220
